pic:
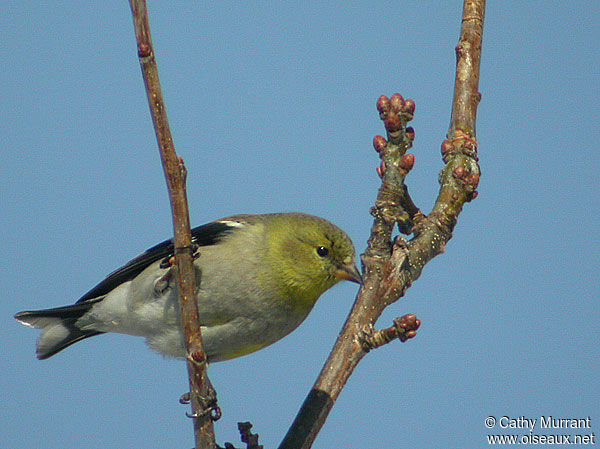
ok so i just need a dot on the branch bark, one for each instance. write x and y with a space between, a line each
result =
200 390
390 266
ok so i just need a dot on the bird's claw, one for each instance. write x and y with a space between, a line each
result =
210 406
195 250
167 262
162 283
214 413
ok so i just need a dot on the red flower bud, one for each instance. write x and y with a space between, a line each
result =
446 147
397 102
392 122
409 106
379 143
407 161
383 104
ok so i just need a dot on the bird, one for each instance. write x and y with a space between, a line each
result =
257 278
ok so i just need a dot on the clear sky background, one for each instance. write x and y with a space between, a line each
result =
272 105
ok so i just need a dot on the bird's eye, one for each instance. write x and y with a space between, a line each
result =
322 251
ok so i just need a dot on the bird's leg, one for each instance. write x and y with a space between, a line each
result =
162 283
209 403
195 251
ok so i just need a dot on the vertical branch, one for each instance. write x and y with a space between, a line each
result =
186 277
391 266
460 176
468 58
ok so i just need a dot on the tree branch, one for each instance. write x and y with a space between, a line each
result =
390 266
200 390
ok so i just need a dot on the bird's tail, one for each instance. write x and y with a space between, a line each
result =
59 326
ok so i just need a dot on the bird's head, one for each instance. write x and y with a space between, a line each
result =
309 255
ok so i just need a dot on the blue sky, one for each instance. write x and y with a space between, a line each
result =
273 108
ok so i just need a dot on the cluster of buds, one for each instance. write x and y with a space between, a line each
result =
407 326
403 329
395 112
471 180
462 144
406 163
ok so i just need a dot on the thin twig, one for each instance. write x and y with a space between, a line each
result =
186 276
391 267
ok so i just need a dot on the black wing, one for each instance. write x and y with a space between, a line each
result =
204 235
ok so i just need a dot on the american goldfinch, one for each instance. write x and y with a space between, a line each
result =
258 278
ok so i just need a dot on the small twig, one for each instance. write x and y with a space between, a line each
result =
175 174
391 266
251 439
404 329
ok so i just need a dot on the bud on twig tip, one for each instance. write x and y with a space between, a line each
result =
397 102
383 104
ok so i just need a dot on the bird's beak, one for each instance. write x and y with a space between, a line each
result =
349 273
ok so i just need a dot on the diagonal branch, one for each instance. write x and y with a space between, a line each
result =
186 276
390 266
